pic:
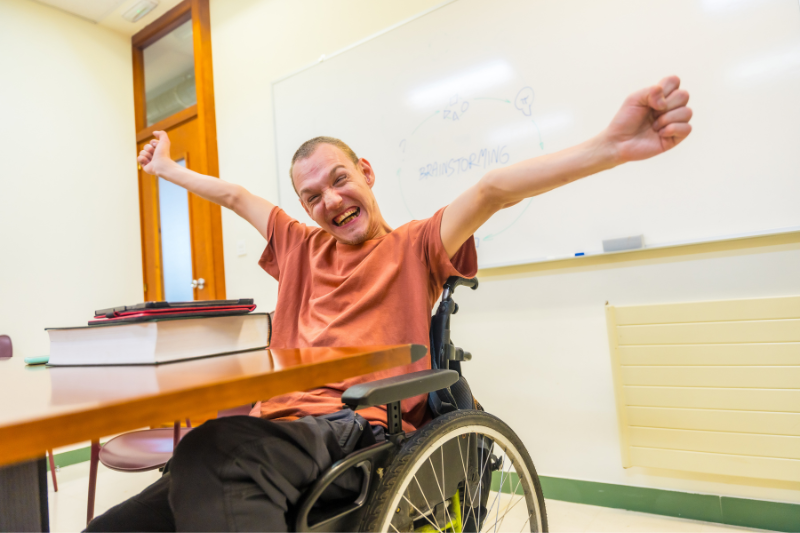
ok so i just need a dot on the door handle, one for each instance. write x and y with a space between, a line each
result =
199 283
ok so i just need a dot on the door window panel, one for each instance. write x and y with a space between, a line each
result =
176 240
169 83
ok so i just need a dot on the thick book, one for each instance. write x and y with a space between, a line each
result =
159 340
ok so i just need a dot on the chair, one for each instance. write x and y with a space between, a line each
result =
137 451
439 477
141 451
6 348
144 450
6 351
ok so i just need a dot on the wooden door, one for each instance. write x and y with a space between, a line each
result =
207 278
180 39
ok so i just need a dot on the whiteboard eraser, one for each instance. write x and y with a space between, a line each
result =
624 243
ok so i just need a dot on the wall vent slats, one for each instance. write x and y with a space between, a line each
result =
749 331
764 422
715 463
777 377
775 400
710 387
726 310
787 353
777 446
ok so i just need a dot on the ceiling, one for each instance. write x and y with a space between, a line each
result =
108 13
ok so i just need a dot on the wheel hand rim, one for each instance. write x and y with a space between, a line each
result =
516 460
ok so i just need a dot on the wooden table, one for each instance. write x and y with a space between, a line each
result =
46 407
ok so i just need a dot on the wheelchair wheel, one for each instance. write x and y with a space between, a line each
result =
440 480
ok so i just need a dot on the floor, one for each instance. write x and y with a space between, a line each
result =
68 507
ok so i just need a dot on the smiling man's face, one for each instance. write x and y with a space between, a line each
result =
337 194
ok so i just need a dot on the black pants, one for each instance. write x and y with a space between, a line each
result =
244 474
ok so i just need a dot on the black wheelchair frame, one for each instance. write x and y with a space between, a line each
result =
447 391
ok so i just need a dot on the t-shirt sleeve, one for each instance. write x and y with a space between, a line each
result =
429 247
283 234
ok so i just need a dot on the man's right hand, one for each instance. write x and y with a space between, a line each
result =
155 160
155 154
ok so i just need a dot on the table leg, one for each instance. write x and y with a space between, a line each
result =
23 497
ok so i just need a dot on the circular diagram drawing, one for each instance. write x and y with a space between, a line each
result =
450 149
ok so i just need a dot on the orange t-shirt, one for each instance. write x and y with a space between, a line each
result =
376 293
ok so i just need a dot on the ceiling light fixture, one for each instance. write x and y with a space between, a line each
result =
139 10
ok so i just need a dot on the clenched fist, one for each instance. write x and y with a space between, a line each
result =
651 121
155 155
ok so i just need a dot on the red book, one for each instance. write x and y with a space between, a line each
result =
160 310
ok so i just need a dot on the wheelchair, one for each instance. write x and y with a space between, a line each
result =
465 470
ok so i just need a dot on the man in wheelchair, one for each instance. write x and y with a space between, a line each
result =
411 450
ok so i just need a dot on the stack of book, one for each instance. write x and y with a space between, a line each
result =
161 332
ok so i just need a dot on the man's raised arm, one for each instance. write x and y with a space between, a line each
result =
155 160
650 122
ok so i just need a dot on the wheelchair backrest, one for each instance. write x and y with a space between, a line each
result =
445 355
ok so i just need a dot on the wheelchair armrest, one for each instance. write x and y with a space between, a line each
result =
394 389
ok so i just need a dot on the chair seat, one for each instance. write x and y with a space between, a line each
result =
242 410
139 451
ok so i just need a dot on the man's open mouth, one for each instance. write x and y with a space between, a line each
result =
347 216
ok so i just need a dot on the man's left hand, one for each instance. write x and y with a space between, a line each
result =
651 121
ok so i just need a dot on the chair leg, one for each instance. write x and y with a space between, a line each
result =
176 434
95 459
53 469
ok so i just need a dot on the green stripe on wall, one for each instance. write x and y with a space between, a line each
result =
709 508
757 513
704 507
71 457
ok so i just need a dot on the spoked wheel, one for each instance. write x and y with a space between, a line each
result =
442 476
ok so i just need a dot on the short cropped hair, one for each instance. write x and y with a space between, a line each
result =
308 147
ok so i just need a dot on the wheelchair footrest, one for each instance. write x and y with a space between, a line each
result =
394 389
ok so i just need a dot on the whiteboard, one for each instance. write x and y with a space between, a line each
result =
469 86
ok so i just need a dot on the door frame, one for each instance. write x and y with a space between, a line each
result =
204 161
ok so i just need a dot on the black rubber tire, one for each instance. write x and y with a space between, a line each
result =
405 463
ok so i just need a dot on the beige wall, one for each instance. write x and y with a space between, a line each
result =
538 333
69 215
